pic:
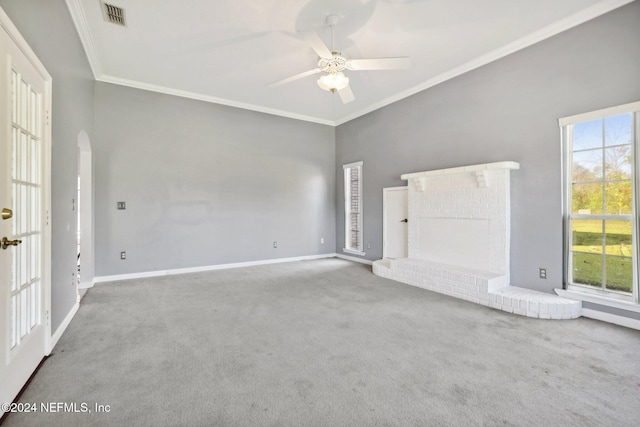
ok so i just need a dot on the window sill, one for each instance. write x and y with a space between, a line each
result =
353 252
599 299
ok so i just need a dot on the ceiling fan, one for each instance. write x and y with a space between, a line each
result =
332 63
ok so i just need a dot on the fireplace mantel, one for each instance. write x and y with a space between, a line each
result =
463 169
479 171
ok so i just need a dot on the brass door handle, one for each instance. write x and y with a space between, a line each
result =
6 242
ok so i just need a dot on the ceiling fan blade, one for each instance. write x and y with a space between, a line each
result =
317 44
379 63
346 95
295 77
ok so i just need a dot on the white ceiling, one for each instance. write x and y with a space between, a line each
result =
227 51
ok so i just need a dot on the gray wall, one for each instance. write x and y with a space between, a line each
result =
47 27
206 184
506 110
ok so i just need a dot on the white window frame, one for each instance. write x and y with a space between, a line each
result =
347 209
594 295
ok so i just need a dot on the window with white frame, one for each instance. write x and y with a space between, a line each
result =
601 203
353 208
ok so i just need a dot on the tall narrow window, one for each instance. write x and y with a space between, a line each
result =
353 208
601 211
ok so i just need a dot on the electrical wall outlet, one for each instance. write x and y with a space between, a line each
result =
368 245
275 244
543 273
322 240
122 206
123 255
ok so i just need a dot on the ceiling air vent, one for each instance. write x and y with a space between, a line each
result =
113 14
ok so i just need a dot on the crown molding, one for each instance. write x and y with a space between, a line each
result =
82 27
211 99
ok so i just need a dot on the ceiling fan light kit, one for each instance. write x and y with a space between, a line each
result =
333 81
333 63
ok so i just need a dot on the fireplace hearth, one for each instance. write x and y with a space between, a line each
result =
459 241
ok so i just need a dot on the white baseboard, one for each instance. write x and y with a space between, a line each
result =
158 273
352 258
63 326
611 318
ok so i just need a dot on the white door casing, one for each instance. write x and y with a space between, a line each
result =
25 158
394 227
85 208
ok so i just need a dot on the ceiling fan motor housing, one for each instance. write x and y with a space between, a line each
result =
334 64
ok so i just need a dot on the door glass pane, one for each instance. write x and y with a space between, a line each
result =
15 284
34 306
33 193
34 256
14 203
24 141
587 134
24 222
14 320
15 153
38 302
37 207
23 313
33 176
24 91
14 96
24 275
33 119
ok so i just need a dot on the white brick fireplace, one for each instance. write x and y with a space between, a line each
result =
459 241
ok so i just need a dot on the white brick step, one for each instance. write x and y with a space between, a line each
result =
446 275
527 302
382 268
481 287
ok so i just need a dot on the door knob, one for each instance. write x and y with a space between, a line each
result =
6 242
405 220
6 213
